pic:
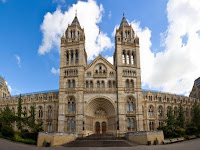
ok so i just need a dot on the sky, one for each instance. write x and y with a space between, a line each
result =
169 32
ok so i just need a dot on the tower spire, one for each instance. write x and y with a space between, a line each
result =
76 13
123 12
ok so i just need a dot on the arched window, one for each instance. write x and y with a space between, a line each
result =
160 111
168 109
151 125
68 124
87 85
127 107
130 105
72 57
49 112
40 112
69 84
98 84
132 123
67 55
151 111
72 124
127 58
123 58
127 83
128 123
131 84
132 59
91 84
103 84
71 105
74 85
49 127
76 57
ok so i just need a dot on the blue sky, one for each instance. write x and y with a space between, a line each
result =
27 70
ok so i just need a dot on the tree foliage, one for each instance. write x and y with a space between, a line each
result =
181 118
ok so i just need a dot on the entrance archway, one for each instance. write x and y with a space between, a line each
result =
100 116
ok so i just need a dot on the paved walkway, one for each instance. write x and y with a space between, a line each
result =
186 145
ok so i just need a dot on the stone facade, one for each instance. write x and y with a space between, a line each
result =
99 97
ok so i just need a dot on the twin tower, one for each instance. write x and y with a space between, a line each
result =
99 97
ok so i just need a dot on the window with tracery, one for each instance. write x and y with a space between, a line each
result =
151 111
151 125
130 105
40 112
49 112
160 111
71 105
70 124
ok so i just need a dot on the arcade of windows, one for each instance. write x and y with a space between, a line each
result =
129 73
75 34
100 84
72 57
129 83
71 72
128 57
71 83
70 124
71 105
131 123
49 112
130 105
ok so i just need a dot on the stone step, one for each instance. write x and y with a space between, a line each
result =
100 143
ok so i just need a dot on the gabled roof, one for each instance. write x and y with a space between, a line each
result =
124 22
98 58
197 82
75 22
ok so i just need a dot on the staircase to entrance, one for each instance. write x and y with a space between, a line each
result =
100 140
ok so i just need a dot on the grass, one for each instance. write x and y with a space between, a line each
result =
17 138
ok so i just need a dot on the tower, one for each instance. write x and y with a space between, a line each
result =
73 59
127 63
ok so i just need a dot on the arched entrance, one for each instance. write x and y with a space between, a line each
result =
100 116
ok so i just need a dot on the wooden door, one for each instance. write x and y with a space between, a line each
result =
97 126
103 127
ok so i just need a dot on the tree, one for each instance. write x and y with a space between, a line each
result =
196 115
34 127
181 118
19 113
7 117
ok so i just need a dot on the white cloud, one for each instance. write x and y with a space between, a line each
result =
18 60
110 59
9 87
174 69
55 24
55 71
110 15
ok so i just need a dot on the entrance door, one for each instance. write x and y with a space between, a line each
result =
97 126
103 127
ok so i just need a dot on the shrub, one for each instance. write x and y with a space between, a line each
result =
7 131
179 131
191 129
